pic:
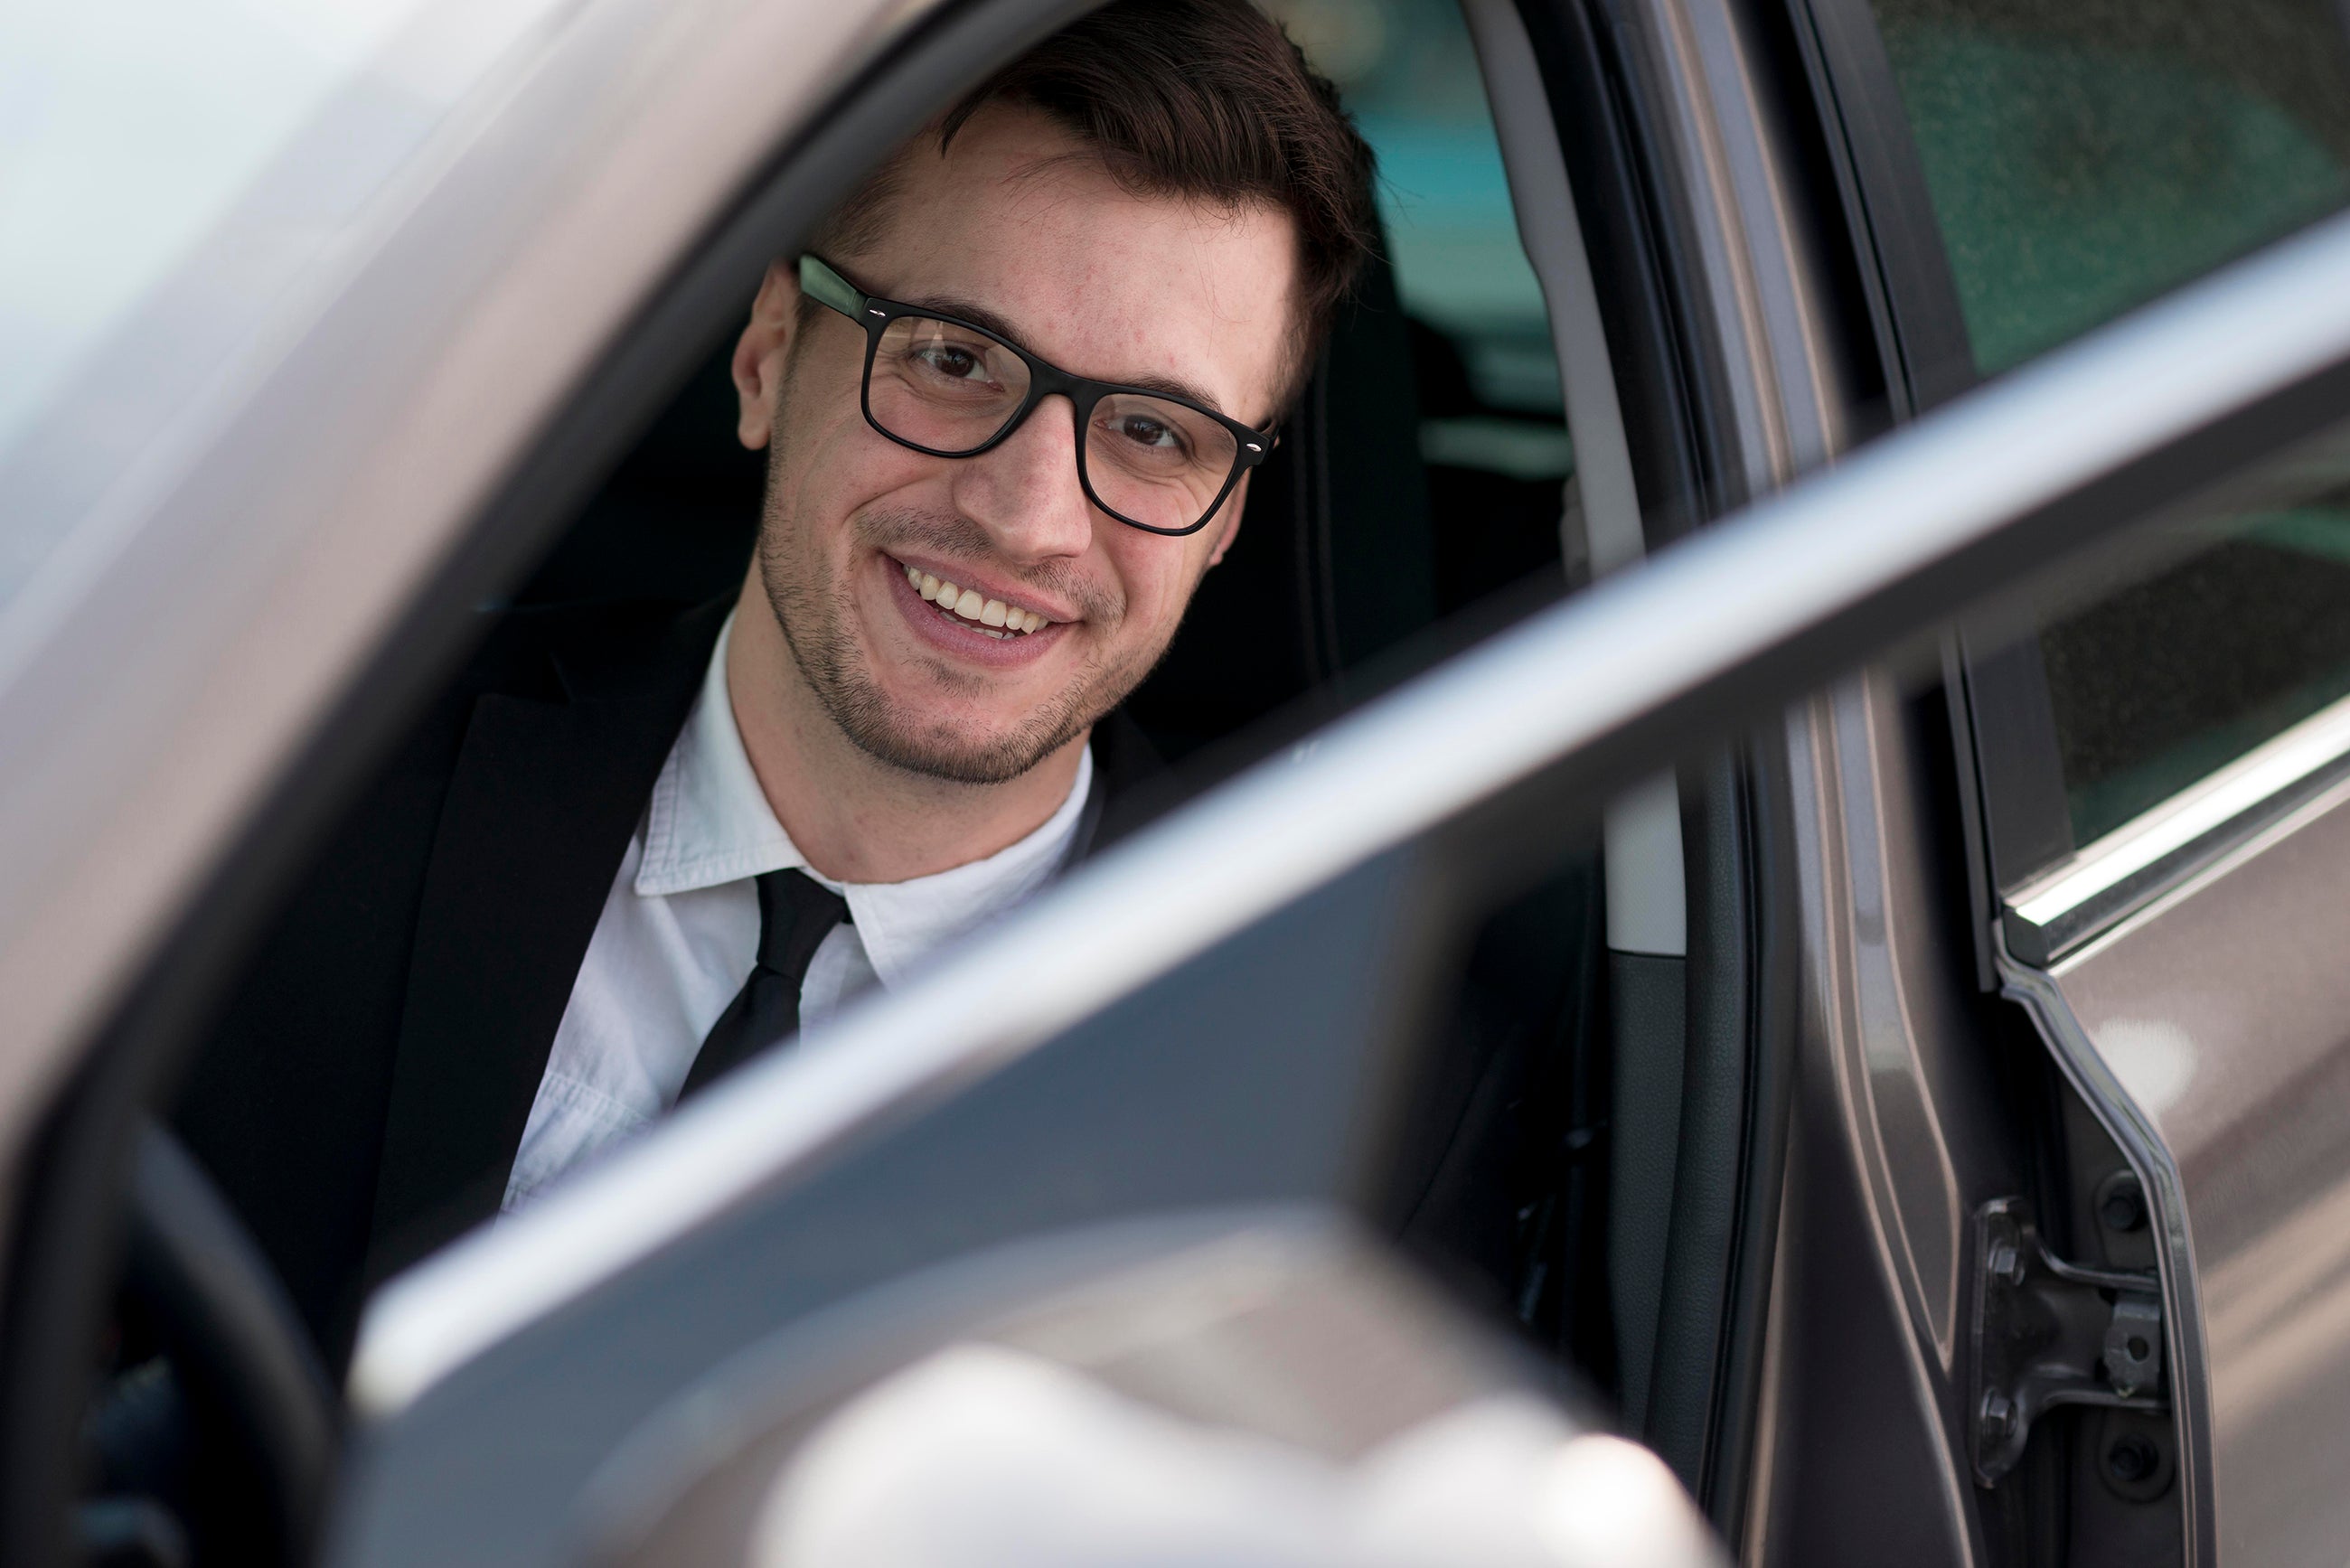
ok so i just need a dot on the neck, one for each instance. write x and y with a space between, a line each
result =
854 818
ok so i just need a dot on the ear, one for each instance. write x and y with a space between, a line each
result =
1230 521
761 352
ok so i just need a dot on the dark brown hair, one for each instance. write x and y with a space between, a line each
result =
1205 99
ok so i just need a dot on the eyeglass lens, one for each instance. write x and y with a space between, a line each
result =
952 389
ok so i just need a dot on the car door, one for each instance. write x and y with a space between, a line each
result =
494 1388
573 1348
2177 945
402 304
2007 178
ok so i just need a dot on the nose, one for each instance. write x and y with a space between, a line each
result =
1026 493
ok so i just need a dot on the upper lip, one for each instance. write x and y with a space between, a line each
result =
965 577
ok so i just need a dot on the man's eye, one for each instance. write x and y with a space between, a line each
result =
954 362
1144 430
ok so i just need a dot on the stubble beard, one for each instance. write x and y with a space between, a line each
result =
817 621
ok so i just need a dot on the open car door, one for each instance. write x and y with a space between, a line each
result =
1200 1041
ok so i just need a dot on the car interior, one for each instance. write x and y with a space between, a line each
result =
1422 496
1362 560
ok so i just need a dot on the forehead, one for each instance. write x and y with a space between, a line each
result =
1019 219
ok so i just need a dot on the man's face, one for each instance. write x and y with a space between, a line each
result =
1015 225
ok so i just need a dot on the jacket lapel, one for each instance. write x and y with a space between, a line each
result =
537 816
1132 787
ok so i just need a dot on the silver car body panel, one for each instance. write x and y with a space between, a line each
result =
2222 1012
1761 293
1568 678
1198 1319
1886 1046
1880 1031
216 582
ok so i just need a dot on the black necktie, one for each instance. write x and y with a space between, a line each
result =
796 914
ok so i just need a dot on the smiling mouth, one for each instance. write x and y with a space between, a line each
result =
964 606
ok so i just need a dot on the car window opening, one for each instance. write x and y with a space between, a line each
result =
1418 496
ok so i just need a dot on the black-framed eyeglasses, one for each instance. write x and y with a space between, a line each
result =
949 388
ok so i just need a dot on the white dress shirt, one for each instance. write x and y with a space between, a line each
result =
681 928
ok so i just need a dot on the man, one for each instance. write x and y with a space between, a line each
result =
1012 395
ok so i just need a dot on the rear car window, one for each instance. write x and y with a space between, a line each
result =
1488 375
2084 158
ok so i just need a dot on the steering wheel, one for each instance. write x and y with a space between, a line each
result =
240 1352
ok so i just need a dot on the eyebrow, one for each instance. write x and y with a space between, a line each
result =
978 316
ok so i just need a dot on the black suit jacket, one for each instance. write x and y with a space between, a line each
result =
364 1096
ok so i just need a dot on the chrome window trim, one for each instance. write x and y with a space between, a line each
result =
1802 586
2138 862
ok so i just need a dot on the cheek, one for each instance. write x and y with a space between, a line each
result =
826 472
1157 582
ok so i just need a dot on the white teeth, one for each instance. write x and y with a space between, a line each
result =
971 605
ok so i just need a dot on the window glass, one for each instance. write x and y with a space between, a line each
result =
2168 677
2083 158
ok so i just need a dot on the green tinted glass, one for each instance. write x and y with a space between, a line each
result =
2086 156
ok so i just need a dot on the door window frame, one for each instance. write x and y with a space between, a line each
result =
2042 892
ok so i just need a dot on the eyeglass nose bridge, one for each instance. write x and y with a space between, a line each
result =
1081 406
1045 381
1083 397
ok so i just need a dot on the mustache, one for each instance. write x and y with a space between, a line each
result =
895 531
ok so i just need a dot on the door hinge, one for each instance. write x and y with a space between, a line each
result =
2050 1333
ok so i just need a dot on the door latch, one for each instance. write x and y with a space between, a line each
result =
2049 1333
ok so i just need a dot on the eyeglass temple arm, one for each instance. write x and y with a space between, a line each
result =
825 286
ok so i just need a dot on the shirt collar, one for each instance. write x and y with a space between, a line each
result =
709 824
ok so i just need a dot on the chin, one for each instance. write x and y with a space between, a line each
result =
952 762
926 716
940 740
